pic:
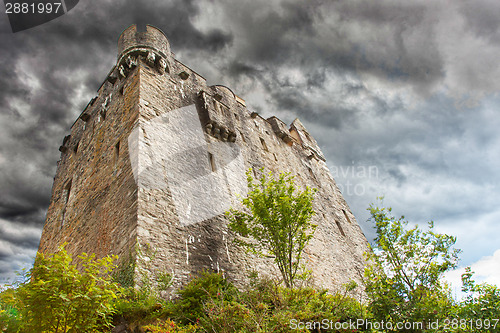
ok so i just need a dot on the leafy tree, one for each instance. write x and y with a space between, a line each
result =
58 297
402 278
481 307
278 218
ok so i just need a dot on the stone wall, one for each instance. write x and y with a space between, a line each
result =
161 156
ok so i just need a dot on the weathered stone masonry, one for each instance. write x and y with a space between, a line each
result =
103 203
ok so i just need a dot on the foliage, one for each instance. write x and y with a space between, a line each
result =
210 303
142 300
164 281
265 306
169 326
60 298
125 272
278 221
139 304
481 305
190 307
403 277
9 314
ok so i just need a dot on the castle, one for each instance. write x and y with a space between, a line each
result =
157 157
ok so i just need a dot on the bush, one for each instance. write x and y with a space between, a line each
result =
168 326
9 314
266 306
140 304
190 307
60 298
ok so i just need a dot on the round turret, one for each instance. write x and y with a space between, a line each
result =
153 39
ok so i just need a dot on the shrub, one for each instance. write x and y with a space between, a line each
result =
9 314
265 306
168 326
190 307
60 298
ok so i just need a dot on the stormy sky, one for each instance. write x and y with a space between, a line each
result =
402 97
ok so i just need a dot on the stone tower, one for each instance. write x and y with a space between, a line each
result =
155 159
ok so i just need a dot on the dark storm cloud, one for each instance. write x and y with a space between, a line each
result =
482 18
45 68
395 41
348 69
47 76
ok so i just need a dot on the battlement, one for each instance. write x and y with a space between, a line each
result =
153 38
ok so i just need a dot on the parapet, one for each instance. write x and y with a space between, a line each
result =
153 39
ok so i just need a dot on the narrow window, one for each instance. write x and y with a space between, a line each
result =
264 145
275 157
346 217
340 228
117 151
216 106
254 172
242 137
65 196
75 148
67 192
311 173
211 161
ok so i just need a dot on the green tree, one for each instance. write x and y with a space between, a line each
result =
480 309
403 275
278 218
58 297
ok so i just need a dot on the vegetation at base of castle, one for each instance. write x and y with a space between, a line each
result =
124 274
277 220
210 303
57 297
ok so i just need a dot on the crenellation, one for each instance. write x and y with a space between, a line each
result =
157 157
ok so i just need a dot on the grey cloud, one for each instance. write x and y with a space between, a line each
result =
335 47
482 18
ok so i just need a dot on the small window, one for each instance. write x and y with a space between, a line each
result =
75 148
346 216
242 137
65 197
67 192
254 172
311 173
117 152
184 75
340 228
264 145
211 161
217 106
